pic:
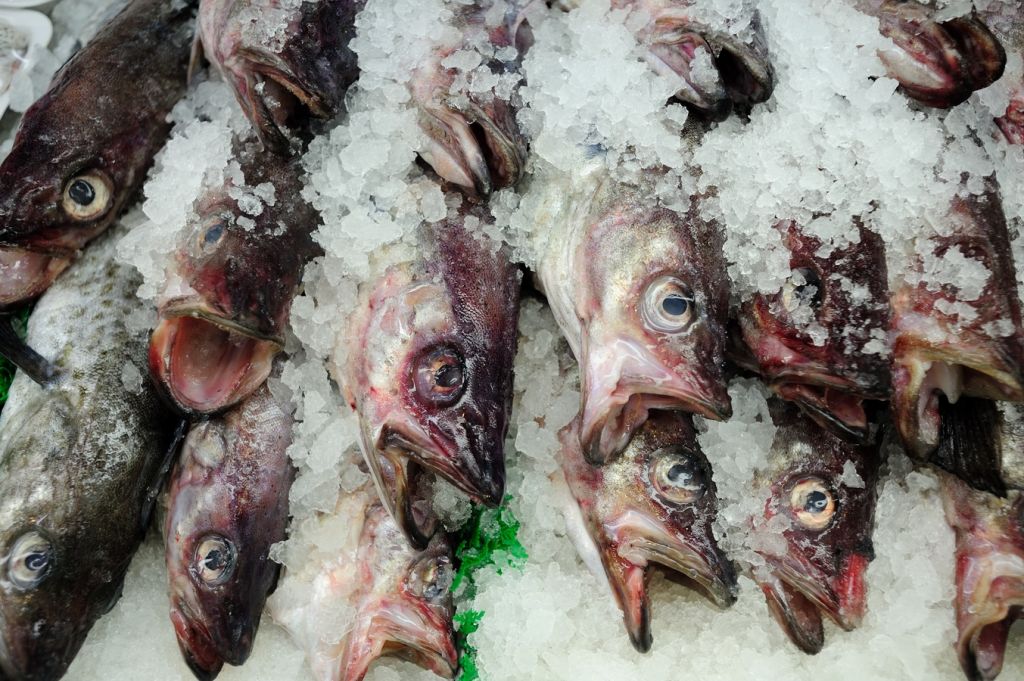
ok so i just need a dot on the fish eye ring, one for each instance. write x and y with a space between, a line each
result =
430 578
668 305
440 375
215 559
678 476
30 561
812 503
88 195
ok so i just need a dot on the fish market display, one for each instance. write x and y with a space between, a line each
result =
228 504
82 150
224 308
82 461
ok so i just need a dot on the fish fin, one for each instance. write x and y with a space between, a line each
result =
170 454
36 367
969 446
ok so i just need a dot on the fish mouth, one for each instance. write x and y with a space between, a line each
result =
206 363
799 594
636 541
833 408
399 627
477 147
25 274
39 655
196 645
984 619
938 63
397 478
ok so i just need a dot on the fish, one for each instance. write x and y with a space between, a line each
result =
472 138
654 505
394 599
825 516
228 504
1004 20
288 63
81 464
641 294
229 289
82 150
937 61
989 573
946 341
982 442
426 365
821 341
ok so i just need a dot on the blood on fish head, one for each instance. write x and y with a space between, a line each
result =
989 573
652 303
828 520
842 296
654 505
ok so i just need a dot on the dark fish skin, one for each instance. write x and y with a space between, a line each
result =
934 352
937 63
982 443
830 380
305 70
101 123
989 573
829 547
655 504
428 366
224 310
228 506
80 467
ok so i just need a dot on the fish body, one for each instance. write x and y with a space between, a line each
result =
81 463
654 505
428 366
82 150
824 511
224 309
989 573
821 340
642 296
228 504
396 599
286 61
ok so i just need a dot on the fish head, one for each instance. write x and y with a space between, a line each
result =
809 339
938 63
652 302
654 505
405 605
989 573
825 520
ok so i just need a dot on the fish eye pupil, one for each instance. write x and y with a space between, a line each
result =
448 376
36 561
81 192
674 304
213 234
680 474
816 502
214 559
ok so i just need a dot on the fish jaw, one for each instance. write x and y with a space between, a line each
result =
187 349
196 647
24 275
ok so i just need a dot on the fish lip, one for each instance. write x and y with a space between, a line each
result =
195 643
46 267
1002 604
812 396
710 570
186 307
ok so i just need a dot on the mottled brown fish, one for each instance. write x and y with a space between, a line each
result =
821 341
82 150
820 494
228 504
224 308
427 366
654 505
286 61
989 573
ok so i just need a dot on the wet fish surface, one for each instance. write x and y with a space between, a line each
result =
982 443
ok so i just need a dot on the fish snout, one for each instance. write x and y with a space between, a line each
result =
197 647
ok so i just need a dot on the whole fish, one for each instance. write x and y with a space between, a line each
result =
956 339
820 495
655 504
428 366
228 505
396 600
224 309
982 443
81 463
473 140
83 148
821 340
989 573
642 296
286 61
938 62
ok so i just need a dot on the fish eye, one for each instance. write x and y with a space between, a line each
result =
803 287
441 375
212 231
668 305
87 196
215 559
31 560
812 503
431 578
678 476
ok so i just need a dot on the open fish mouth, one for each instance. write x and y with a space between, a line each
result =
197 648
832 403
207 363
985 616
26 274
939 63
